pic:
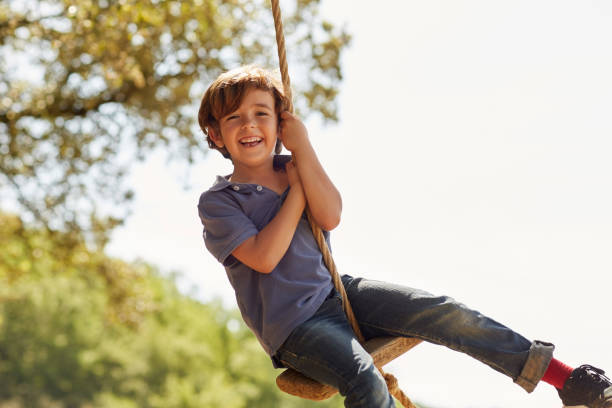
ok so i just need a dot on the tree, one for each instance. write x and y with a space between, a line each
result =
66 341
89 86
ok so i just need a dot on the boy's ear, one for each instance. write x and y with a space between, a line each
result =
216 137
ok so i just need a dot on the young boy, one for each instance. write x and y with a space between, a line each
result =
254 224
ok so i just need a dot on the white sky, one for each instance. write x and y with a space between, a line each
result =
473 159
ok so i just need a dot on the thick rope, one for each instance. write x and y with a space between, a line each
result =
316 230
282 53
333 271
391 381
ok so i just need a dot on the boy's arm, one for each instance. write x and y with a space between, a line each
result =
263 251
323 198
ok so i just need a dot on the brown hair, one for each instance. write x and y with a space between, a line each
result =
225 94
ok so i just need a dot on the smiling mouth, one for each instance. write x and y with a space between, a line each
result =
250 141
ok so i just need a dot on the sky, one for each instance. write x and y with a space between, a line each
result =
473 158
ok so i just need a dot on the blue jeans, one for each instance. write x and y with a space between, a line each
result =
325 348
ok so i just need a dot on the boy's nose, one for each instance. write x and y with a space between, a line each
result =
248 122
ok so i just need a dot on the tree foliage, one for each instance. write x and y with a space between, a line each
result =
66 341
89 86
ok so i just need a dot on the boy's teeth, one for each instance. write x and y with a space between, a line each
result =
250 140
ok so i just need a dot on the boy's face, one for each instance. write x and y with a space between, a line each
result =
249 133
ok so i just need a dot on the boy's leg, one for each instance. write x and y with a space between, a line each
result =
325 348
391 310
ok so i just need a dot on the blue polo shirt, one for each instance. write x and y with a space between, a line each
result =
273 304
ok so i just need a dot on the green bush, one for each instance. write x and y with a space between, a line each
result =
80 329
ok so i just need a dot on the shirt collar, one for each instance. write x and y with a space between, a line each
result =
221 182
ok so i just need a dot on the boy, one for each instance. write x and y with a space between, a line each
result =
254 224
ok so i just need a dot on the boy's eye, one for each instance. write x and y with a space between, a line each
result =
230 117
262 113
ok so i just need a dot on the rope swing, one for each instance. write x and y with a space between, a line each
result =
382 350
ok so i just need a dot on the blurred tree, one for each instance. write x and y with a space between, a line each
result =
89 86
66 343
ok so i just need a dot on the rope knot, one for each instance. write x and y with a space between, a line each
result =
395 390
392 383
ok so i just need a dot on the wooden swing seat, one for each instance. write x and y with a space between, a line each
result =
382 350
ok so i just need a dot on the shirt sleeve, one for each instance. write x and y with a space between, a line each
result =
226 226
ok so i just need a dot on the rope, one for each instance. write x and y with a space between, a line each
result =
316 230
391 381
331 266
282 53
395 390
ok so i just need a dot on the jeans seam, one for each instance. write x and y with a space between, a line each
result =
323 364
318 362
440 342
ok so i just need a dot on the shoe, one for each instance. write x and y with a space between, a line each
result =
587 386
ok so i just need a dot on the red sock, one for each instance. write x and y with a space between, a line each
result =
557 373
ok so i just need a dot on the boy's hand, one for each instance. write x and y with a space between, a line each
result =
264 250
293 133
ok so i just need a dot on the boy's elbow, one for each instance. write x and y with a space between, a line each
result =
260 260
329 223
265 269
334 217
266 265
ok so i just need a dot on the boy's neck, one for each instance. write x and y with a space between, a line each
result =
273 180
263 174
